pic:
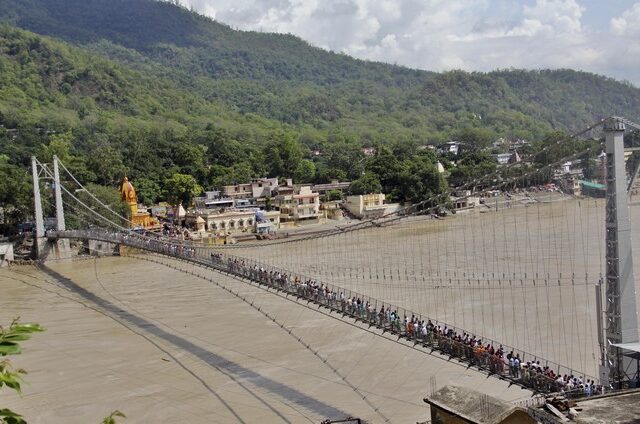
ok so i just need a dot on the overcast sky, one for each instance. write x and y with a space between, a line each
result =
601 36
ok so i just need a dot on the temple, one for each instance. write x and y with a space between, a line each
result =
138 219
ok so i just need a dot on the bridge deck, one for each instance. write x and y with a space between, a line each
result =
263 274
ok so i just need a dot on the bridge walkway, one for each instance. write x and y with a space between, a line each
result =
438 337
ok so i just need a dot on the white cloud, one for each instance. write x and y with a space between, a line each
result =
558 16
627 23
445 34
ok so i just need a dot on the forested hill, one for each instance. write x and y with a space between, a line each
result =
161 94
283 78
179 38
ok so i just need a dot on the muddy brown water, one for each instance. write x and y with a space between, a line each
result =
522 276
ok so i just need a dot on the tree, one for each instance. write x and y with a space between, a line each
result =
419 181
189 158
59 145
334 195
148 191
110 196
366 184
476 138
181 189
306 172
10 338
386 166
16 198
106 162
220 176
283 155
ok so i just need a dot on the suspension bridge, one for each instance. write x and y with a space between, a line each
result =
535 274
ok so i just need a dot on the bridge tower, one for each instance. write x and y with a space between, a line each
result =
621 316
60 225
62 248
39 240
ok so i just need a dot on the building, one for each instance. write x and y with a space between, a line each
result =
213 199
502 158
176 214
298 204
332 209
333 185
452 147
591 189
221 222
231 221
369 151
570 184
263 187
461 405
209 202
267 221
367 206
464 200
6 254
508 158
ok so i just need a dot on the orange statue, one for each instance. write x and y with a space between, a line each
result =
128 195
138 219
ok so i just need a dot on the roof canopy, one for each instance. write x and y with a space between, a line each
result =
635 347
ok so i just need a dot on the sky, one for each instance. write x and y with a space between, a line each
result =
601 36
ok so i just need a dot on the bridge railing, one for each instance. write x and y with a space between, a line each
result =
533 373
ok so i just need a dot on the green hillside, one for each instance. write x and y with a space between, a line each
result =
151 89
284 78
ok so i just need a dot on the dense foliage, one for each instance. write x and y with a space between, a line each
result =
11 338
152 90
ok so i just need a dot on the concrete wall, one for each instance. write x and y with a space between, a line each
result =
517 416
440 416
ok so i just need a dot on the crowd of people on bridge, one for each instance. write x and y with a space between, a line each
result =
461 345
465 346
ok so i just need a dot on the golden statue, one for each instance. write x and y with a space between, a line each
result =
128 195
138 219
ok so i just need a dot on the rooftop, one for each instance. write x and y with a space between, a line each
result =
470 405
589 184
613 409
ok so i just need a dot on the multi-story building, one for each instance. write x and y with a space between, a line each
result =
257 189
298 204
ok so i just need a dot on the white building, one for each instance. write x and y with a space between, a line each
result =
464 200
366 206
220 223
452 147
